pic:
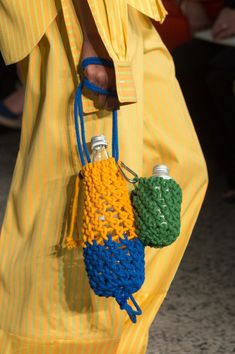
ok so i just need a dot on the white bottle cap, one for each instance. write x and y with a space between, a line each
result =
161 170
98 140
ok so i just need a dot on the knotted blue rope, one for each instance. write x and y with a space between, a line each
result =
78 111
116 268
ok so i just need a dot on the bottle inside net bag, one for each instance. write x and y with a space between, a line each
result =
157 203
99 148
161 171
100 152
113 254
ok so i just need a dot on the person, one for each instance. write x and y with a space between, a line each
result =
46 302
12 96
185 18
176 29
206 72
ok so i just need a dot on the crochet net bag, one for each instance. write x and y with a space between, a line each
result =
113 254
157 204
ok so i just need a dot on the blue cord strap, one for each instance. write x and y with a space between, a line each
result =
132 313
78 111
96 61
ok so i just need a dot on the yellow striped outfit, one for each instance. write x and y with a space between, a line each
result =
46 304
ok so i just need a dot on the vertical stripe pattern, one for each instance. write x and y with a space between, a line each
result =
47 305
23 23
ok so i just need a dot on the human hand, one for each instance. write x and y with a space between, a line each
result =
224 25
101 76
93 46
196 15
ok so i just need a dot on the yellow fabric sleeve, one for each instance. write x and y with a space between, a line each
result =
23 23
111 17
151 8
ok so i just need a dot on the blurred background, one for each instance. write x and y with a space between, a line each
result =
198 314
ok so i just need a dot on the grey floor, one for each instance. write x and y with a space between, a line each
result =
198 314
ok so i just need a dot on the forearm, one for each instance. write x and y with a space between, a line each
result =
93 44
86 20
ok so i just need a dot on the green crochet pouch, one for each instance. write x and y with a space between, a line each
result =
157 206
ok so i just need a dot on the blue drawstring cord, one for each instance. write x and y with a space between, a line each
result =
78 111
90 86
132 313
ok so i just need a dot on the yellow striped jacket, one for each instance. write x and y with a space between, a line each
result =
23 23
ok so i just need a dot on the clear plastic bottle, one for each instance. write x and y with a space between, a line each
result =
163 172
99 153
99 148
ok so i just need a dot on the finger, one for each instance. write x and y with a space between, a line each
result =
221 28
111 79
216 30
101 78
102 99
218 26
226 33
112 103
97 75
104 78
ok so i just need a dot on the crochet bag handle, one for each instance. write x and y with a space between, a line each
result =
78 111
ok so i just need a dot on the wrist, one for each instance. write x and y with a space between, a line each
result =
94 47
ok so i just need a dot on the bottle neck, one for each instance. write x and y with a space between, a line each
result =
161 171
162 175
100 153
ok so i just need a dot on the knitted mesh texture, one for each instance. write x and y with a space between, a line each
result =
157 205
107 206
116 268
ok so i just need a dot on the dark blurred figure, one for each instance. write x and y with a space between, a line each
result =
8 78
206 72
175 30
11 96
186 17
